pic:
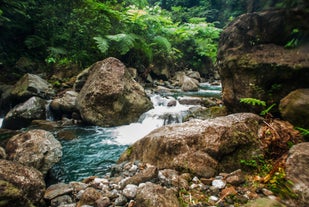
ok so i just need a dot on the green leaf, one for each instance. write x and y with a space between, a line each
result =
252 101
102 44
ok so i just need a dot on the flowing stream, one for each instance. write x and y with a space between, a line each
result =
95 149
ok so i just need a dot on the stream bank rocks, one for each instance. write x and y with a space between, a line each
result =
110 96
35 148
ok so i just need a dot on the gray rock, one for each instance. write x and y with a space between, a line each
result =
65 104
35 148
153 195
110 95
190 84
31 85
22 115
56 190
298 172
295 107
130 191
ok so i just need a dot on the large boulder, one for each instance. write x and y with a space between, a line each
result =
202 147
22 114
254 62
31 85
20 184
110 95
295 107
298 172
36 148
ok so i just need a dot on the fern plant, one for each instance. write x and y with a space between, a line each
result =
254 102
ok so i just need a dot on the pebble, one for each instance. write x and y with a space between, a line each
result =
218 183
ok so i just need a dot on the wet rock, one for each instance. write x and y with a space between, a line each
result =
295 107
35 148
22 115
152 195
110 96
190 100
298 172
27 180
190 84
197 145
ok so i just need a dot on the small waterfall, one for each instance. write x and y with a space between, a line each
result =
160 115
1 120
48 112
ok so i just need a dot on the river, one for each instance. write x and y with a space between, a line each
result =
95 149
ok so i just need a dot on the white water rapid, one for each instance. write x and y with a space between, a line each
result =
160 115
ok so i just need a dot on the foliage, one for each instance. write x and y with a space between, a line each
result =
252 101
304 132
81 32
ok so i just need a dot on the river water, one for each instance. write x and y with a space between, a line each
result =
95 149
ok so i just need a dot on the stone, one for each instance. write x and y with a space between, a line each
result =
253 61
22 114
295 107
61 200
197 145
190 100
103 202
65 104
31 85
235 178
130 191
12 196
121 200
190 84
90 196
27 182
153 195
56 190
110 96
34 148
298 172
2 153
169 177
145 175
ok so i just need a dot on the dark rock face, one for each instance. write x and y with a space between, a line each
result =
295 107
253 61
22 114
201 146
298 172
110 96
65 105
31 85
20 184
35 148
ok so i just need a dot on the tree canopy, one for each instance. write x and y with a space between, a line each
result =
182 33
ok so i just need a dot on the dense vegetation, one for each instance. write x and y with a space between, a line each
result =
43 35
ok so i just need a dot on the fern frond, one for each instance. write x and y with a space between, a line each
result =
162 42
252 101
126 41
102 44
